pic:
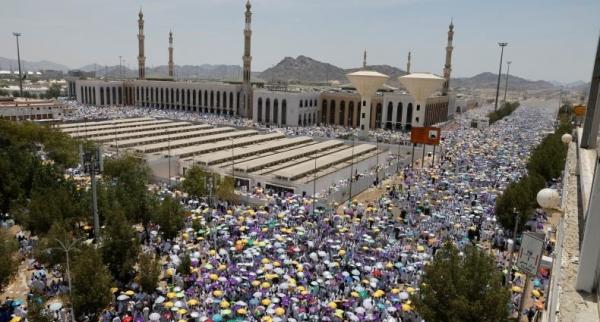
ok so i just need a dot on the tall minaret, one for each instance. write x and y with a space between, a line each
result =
408 64
141 57
448 65
171 54
247 59
365 59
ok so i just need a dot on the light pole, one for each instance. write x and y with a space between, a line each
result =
120 67
232 168
67 247
502 45
351 171
17 35
510 253
506 83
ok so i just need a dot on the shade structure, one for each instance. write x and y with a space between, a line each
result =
366 83
421 86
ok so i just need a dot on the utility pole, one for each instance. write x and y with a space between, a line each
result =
314 194
506 83
351 170
510 253
502 45
120 67
17 35
232 167
67 249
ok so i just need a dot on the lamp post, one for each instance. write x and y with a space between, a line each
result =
17 35
506 83
67 247
502 45
514 239
351 171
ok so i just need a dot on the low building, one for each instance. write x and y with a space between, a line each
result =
31 109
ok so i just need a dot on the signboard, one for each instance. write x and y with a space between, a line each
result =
579 110
530 254
425 135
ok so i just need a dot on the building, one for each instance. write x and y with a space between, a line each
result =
276 105
30 109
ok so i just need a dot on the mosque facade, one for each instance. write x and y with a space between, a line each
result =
392 110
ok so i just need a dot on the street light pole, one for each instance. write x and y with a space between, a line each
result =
506 83
17 35
120 67
502 45
67 249
351 170
510 253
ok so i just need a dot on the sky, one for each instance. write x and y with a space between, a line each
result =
548 39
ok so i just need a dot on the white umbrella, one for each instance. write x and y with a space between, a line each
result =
122 297
55 306
154 317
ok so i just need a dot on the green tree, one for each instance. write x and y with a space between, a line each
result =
91 282
48 249
120 246
148 272
9 263
170 217
195 182
185 267
462 287
129 178
53 91
225 190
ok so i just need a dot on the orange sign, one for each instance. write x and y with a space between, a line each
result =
425 135
579 110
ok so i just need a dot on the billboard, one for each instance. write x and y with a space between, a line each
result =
530 254
579 110
425 135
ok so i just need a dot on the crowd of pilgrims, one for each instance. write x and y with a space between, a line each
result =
359 261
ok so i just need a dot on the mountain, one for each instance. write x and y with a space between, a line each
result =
303 69
490 80
182 72
8 63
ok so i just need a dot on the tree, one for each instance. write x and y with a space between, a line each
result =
48 249
9 263
169 216
148 272
225 190
120 245
462 287
53 91
195 182
185 267
129 177
91 282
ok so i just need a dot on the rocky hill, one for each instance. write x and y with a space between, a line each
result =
490 80
9 63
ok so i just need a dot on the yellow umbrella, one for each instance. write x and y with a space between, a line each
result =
332 305
15 319
130 293
193 302
339 313
182 311
224 304
218 293
168 305
255 283
410 290
395 291
213 277
354 294
170 272
265 302
517 289
265 285
536 293
241 311
171 295
406 308
279 311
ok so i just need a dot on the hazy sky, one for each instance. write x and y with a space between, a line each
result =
548 39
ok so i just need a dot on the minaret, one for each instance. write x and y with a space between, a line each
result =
171 54
365 59
448 65
247 59
408 64
141 57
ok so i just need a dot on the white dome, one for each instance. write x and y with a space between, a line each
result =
548 198
567 138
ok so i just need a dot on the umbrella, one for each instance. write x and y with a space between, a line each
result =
122 297
55 306
154 316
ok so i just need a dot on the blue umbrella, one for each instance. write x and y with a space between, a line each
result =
217 318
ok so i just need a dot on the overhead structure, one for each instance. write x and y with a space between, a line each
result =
421 86
366 83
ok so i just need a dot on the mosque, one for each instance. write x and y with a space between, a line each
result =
390 108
